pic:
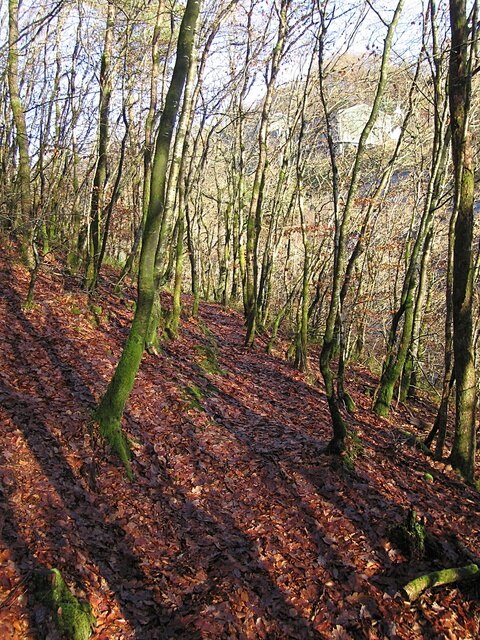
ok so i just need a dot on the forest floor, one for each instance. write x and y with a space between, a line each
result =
236 526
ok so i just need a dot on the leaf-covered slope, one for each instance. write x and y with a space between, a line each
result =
235 526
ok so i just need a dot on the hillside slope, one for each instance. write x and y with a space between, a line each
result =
235 526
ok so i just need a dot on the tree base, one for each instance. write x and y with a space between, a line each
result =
381 409
111 431
335 447
349 402
73 617
410 537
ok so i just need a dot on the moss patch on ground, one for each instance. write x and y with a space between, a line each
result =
195 396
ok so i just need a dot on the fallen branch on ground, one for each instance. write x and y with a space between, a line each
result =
437 578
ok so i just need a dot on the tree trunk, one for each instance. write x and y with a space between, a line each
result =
147 151
462 456
337 443
254 219
409 307
409 374
23 224
416 587
440 424
110 410
99 179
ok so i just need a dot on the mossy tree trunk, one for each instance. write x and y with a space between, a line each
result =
173 321
74 618
301 339
178 192
254 218
462 456
192 256
225 259
192 207
410 305
100 177
416 587
110 410
22 223
342 225
439 428
172 196
363 238
395 361
409 379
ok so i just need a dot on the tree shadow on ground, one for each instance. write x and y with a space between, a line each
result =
245 425
107 545
78 523
20 553
236 506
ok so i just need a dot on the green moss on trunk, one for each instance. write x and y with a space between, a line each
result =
462 456
410 537
110 410
437 578
394 365
73 618
337 443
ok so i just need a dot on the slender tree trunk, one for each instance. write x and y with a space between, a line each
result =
397 354
23 224
254 219
110 410
337 443
462 456
148 147
440 424
173 321
192 256
409 373
360 246
115 194
223 274
74 238
99 179
174 187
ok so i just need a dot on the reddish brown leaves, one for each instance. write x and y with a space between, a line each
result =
236 526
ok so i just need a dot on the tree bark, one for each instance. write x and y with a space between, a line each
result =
416 587
254 218
337 443
462 456
110 410
411 302
440 424
99 179
22 223
147 150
